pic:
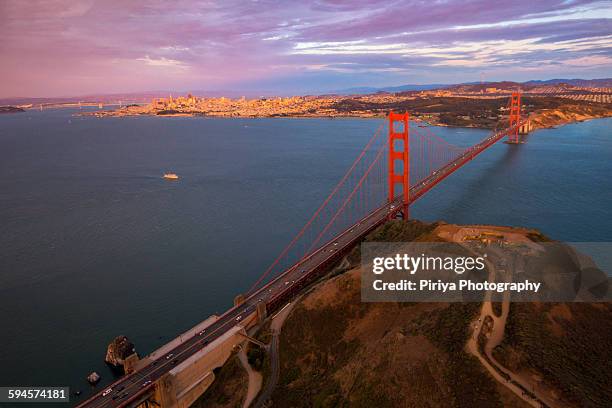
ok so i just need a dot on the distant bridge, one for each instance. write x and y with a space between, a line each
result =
389 175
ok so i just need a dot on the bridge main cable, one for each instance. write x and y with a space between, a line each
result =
348 199
318 211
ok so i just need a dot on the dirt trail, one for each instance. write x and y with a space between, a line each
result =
255 378
514 382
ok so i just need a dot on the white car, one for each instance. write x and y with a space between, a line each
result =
169 356
238 318
107 391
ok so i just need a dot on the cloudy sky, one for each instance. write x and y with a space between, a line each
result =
64 47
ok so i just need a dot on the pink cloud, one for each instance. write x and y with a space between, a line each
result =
63 47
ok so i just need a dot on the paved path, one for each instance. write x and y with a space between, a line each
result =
275 328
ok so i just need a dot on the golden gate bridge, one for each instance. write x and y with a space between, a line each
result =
395 168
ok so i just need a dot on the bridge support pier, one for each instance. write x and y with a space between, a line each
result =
403 156
525 128
262 312
166 392
129 364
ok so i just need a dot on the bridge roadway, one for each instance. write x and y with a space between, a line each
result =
132 387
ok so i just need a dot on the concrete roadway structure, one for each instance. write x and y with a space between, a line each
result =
131 388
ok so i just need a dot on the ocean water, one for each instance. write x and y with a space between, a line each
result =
95 244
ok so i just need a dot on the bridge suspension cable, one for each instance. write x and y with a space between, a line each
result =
320 212
365 189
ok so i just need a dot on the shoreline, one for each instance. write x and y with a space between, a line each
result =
538 126
459 112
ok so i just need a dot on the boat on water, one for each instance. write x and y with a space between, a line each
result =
171 176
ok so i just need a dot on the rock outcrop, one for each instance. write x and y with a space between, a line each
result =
93 378
118 350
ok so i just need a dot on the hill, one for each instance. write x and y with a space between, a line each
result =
586 83
389 89
565 349
478 86
339 351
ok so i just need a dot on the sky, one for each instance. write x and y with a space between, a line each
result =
68 48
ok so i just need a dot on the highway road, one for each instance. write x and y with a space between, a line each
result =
131 386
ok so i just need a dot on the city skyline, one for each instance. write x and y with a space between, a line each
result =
66 48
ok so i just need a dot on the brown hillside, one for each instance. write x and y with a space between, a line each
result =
337 351
562 347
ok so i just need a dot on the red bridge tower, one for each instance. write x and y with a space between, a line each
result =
402 155
515 118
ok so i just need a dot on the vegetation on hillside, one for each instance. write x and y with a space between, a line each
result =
229 388
568 345
469 112
338 352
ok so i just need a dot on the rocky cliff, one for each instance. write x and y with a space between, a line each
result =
547 118
118 350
